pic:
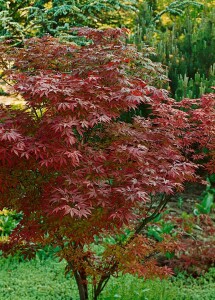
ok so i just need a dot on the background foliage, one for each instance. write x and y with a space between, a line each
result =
23 19
183 35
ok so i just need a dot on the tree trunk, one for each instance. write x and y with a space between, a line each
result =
101 285
82 285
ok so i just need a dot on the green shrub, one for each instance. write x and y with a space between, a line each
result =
9 219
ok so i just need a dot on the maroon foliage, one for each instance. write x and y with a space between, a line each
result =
74 167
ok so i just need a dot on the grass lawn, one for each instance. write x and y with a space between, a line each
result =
45 280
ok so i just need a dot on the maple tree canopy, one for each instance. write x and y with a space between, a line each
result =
78 169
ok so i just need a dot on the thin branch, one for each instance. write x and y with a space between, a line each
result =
35 112
102 283
5 81
157 211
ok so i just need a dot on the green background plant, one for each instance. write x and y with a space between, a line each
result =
9 219
207 199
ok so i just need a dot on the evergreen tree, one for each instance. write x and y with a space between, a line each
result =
183 34
20 19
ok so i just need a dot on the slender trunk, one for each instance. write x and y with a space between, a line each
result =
82 285
97 289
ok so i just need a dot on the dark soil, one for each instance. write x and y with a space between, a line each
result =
186 200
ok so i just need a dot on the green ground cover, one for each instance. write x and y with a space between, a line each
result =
45 280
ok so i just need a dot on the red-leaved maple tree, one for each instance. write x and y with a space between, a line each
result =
95 153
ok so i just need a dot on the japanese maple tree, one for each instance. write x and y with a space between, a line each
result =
95 153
